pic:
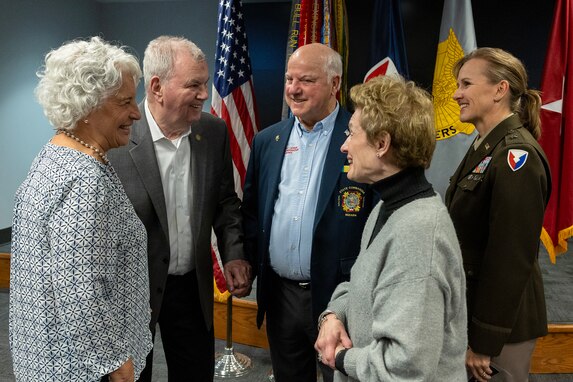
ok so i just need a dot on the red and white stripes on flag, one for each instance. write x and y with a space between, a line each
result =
233 99
237 109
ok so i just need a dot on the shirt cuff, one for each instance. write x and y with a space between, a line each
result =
339 361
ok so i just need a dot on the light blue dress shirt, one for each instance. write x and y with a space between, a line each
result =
293 218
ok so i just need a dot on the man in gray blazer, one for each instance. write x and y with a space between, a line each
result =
177 172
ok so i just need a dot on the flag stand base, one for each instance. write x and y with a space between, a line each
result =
230 364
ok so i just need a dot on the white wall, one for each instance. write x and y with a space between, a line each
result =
30 28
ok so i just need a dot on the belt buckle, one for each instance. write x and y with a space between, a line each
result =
304 284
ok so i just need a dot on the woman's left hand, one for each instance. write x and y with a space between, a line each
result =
478 365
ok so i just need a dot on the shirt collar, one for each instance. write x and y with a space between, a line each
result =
156 133
326 124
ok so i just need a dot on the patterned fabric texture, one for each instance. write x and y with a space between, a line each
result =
79 289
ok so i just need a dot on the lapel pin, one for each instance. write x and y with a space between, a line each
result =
198 137
277 138
487 146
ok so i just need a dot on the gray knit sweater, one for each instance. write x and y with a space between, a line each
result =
404 307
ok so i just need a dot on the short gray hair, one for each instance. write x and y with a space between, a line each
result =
160 55
79 77
333 65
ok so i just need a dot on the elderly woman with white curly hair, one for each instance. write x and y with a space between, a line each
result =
79 295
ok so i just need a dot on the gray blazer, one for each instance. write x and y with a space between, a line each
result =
214 203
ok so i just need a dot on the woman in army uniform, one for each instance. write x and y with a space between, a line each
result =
497 198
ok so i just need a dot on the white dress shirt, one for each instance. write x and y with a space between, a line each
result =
174 161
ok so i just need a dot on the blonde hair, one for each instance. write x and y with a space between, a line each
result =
391 105
502 65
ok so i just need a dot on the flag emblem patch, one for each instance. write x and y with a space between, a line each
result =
516 158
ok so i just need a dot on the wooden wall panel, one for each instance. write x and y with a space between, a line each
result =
554 352
4 270
244 323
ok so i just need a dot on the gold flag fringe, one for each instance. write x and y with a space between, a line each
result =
561 247
217 295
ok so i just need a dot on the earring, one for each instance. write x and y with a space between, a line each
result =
86 121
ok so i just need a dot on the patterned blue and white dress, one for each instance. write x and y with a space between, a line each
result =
79 289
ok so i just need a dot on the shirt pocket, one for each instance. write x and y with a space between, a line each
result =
471 182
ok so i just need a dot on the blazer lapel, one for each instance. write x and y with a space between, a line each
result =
275 159
143 155
333 164
198 176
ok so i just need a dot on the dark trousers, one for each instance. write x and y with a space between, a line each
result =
189 346
292 331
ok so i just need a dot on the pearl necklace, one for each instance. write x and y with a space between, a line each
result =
95 149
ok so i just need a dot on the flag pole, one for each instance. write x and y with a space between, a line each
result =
230 364
233 100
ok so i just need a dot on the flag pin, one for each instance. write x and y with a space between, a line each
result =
198 137
277 138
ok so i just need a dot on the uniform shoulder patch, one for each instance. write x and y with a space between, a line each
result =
516 158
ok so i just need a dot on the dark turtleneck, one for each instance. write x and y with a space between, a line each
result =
398 190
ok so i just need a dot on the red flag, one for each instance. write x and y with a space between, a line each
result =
557 129
233 98
385 66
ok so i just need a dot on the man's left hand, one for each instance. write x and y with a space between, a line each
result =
238 276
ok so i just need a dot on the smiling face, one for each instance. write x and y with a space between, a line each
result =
364 165
110 124
182 96
475 94
308 91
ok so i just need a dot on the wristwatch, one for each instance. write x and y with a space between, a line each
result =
323 316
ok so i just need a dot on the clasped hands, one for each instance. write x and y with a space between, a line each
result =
332 338
238 274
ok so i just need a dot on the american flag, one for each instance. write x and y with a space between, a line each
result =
233 97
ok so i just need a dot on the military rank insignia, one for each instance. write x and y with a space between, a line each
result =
481 167
516 158
351 200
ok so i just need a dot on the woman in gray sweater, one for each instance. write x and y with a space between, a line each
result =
402 315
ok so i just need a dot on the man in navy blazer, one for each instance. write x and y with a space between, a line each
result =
303 218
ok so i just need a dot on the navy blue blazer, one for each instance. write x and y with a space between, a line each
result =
342 210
